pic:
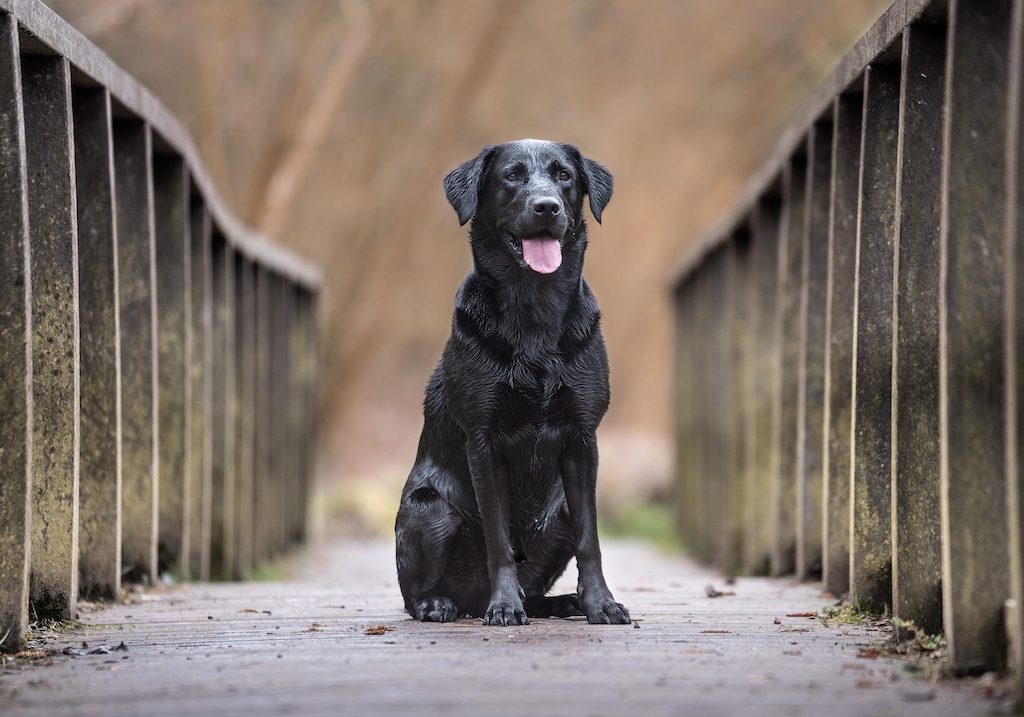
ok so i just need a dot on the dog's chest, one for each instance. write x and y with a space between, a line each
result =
536 395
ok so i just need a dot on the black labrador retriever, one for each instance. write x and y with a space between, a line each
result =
503 491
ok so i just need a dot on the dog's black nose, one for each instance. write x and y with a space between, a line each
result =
547 205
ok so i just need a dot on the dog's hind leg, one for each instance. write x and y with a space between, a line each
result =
424 530
554 605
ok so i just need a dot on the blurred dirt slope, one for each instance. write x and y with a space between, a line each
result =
329 123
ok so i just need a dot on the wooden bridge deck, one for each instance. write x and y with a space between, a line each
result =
301 647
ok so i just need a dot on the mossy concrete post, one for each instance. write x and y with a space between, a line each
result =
695 458
747 376
765 225
842 241
53 238
730 429
99 541
681 401
916 521
783 560
15 355
295 412
810 403
244 409
262 499
133 175
279 432
716 476
200 466
224 531
972 365
871 470
173 290
1015 343
311 391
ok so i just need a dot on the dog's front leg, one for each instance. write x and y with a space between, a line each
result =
579 477
490 483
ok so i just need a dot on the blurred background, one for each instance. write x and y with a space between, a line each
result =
328 125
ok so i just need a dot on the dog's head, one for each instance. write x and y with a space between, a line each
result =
530 195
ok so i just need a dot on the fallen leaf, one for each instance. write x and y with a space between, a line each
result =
378 630
868 653
777 621
712 592
316 627
802 614
248 609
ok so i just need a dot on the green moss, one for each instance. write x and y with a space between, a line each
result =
847 614
651 521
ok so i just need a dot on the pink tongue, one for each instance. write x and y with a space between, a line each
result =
543 254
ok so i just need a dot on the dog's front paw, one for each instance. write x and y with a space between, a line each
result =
506 612
605 611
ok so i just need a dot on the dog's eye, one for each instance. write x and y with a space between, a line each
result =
511 175
564 176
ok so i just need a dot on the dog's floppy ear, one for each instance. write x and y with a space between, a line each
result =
462 185
597 180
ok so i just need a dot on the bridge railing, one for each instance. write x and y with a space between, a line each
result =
158 360
849 377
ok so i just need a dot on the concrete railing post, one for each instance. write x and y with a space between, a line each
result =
972 333
200 492
133 172
174 294
53 238
810 403
871 470
15 354
791 348
100 480
916 524
846 130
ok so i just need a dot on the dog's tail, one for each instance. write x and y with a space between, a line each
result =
553 605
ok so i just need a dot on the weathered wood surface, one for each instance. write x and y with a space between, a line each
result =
210 649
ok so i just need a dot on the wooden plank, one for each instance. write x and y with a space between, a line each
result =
810 402
916 533
211 650
53 236
846 131
174 292
99 542
133 175
972 363
15 352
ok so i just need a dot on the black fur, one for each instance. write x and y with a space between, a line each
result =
503 491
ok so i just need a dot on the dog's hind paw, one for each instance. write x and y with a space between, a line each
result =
435 609
608 612
505 613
